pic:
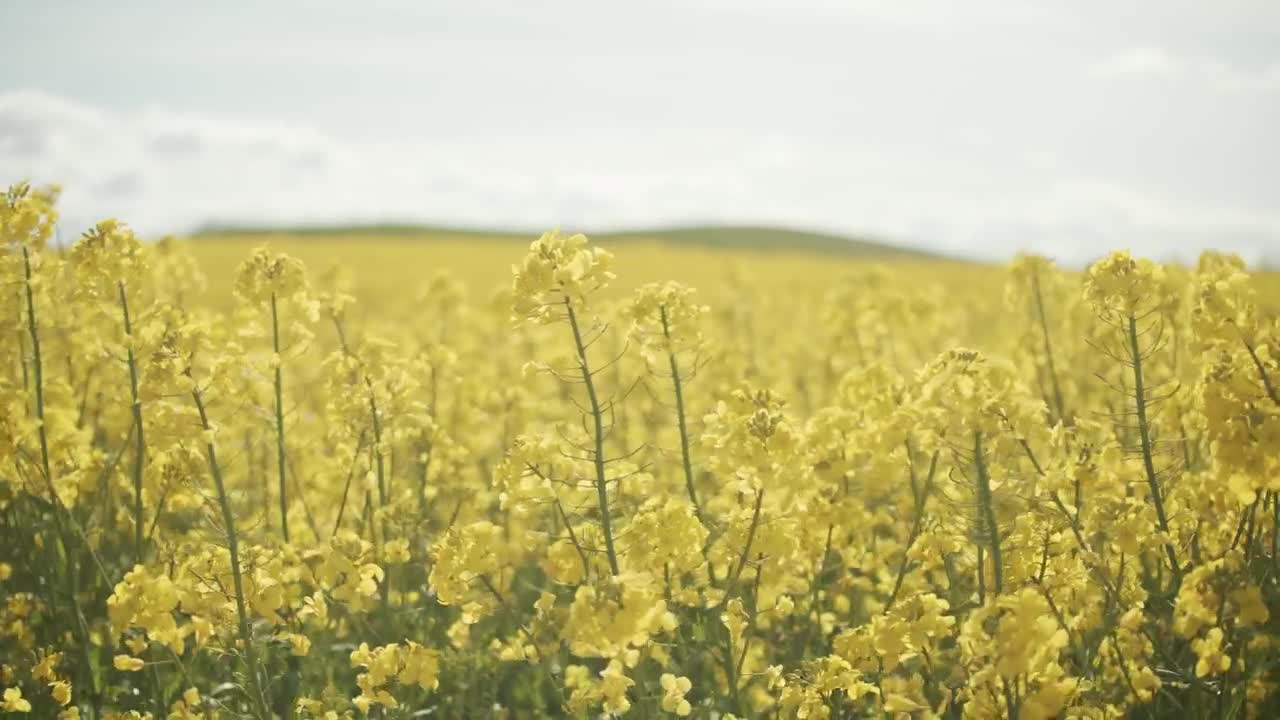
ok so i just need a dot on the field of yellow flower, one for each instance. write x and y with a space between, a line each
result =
332 479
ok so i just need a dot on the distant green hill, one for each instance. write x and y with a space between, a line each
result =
729 236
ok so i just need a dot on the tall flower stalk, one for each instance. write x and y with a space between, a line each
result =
555 281
279 397
666 322
35 217
256 698
597 436
265 279
1126 294
139 436
108 263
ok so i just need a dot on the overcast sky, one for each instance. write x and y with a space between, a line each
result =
976 127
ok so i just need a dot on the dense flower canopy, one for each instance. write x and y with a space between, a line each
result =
287 494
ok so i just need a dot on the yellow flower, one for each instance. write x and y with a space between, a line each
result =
1252 606
265 275
616 614
61 691
46 669
1211 660
146 600
1146 682
27 215
558 272
665 319
735 618
13 701
1120 286
187 707
314 608
613 685
664 536
107 255
299 644
125 663
421 666
674 689
396 551
463 555
895 703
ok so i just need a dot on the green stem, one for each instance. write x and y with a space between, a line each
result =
686 456
1059 405
573 538
140 443
346 488
751 536
1144 436
38 373
1262 371
680 419
279 383
424 477
916 526
815 595
602 487
233 546
380 469
982 579
730 673
22 355
986 506
81 627
751 622
157 691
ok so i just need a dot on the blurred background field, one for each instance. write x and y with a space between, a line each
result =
389 264
386 262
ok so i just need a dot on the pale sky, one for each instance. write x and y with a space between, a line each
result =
977 128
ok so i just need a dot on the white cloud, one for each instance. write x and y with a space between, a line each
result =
1134 61
932 15
1223 76
1231 79
166 171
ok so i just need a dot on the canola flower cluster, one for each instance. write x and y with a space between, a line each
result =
558 501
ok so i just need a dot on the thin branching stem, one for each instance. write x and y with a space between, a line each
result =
139 440
279 388
751 536
1059 405
1262 371
1144 437
677 385
37 361
916 526
346 487
256 698
602 487
986 506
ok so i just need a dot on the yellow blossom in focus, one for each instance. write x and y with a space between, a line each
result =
14 702
558 272
266 275
126 663
613 686
61 691
674 689
1210 656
